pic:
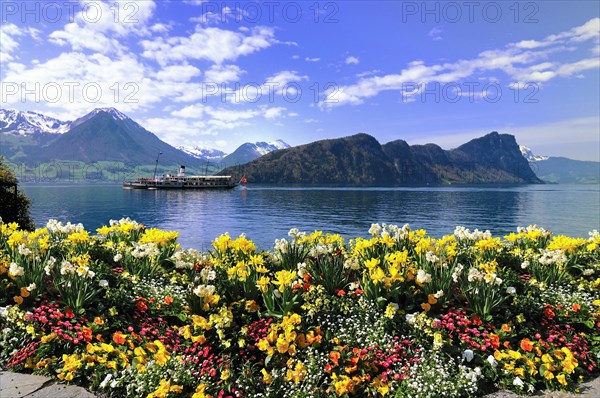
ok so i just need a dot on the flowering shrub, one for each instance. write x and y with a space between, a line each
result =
128 313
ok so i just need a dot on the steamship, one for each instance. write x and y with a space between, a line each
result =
181 181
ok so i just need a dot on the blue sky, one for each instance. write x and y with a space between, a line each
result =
219 74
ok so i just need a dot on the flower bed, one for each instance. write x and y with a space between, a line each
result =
128 313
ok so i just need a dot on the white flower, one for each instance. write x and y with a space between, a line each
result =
438 294
511 290
423 277
24 250
15 270
411 318
281 245
468 355
49 265
457 271
302 270
31 287
375 229
106 380
525 264
208 274
204 290
492 360
117 257
352 263
293 233
518 382
474 274
432 258
103 283
588 272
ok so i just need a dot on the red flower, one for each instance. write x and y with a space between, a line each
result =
526 345
141 306
119 338
548 312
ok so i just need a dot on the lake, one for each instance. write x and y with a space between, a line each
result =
267 213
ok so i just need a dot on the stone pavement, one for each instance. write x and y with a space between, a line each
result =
16 385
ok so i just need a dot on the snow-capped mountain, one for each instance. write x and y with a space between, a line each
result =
249 151
202 152
24 123
529 155
116 114
243 154
265 147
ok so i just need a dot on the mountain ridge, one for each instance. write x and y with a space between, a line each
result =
361 160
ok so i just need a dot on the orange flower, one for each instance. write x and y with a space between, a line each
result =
431 299
141 306
70 314
87 333
494 341
24 292
98 321
426 307
476 320
576 307
506 328
526 345
334 356
548 312
119 338
168 300
18 299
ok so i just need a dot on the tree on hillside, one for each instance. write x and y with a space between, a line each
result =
14 206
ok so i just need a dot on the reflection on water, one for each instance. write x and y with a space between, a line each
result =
266 213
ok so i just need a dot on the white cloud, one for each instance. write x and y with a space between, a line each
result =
274 113
160 28
176 131
435 33
9 42
99 30
194 2
311 120
520 61
178 73
199 119
75 82
212 44
223 74
352 60
195 111
308 59
284 77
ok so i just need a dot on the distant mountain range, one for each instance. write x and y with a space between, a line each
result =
361 160
30 123
563 170
106 134
243 154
